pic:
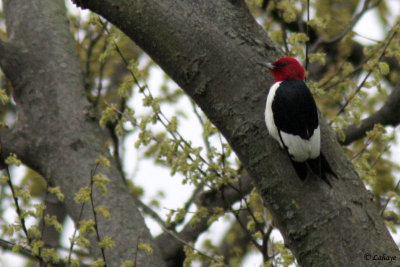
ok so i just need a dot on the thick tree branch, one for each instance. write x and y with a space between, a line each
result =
55 136
210 48
11 55
388 114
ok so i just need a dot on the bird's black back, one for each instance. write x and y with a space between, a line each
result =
294 109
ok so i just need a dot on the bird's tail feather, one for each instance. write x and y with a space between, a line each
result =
326 167
301 169
318 166
321 167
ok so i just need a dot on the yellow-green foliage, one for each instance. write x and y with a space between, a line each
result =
98 263
101 181
336 13
57 191
52 221
104 211
128 263
107 242
145 247
102 160
83 195
12 159
285 257
4 97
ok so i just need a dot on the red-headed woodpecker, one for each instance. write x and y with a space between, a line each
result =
292 118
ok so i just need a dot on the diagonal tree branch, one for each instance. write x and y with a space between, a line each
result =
349 28
388 114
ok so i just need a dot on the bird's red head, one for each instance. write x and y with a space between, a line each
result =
286 68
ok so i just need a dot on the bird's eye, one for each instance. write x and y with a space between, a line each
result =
280 65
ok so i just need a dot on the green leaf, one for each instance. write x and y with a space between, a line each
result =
145 247
83 195
107 242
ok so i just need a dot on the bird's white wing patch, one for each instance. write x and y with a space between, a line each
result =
315 142
301 149
269 116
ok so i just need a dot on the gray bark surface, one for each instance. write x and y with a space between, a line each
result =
55 134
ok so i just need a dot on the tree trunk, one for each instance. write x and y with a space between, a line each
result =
54 133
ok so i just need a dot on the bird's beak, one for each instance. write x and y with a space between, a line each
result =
268 65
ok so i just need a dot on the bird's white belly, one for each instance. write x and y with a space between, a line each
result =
301 149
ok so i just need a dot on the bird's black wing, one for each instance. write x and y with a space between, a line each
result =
294 109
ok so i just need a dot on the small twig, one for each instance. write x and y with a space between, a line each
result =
341 79
366 76
187 204
101 73
89 51
24 251
248 233
367 38
43 224
244 227
192 247
266 237
92 173
149 211
74 235
351 25
202 123
117 154
16 202
223 156
308 34
389 198
260 228
367 143
284 37
17 206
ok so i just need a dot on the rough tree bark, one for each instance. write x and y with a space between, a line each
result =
55 133
210 48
